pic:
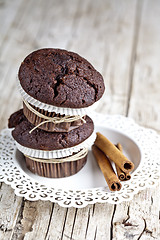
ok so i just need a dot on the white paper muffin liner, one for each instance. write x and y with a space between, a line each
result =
51 108
56 153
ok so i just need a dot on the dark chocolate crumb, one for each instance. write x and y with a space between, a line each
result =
61 78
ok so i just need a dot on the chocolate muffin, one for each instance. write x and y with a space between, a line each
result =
16 118
41 120
43 140
47 141
55 170
60 78
52 130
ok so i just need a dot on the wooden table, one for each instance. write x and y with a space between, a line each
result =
122 40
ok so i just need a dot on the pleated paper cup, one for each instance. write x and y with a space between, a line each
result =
55 170
51 108
49 126
60 153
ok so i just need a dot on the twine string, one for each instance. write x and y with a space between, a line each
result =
81 154
54 120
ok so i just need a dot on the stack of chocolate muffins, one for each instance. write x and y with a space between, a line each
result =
53 131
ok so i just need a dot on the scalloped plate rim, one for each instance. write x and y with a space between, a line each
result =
100 188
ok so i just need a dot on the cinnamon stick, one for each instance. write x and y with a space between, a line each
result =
122 175
113 153
107 170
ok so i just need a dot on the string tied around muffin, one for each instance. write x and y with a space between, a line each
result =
55 120
81 154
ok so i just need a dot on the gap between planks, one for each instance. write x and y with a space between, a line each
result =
134 48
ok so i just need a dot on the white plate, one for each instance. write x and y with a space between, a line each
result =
142 146
90 176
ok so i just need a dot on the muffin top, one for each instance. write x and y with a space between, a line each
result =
42 140
60 78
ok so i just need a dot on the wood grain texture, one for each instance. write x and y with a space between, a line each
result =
110 32
121 39
146 77
10 206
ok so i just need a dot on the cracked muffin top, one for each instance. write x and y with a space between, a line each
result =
60 78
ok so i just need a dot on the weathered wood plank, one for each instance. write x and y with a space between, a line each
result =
99 215
143 220
12 53
56 29
8 11
105 36
144 107
30 216
106 33
35 219
34 22
85 15
99 225
10 206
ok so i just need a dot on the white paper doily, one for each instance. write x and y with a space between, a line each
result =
32 187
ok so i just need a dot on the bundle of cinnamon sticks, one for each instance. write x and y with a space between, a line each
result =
105 152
